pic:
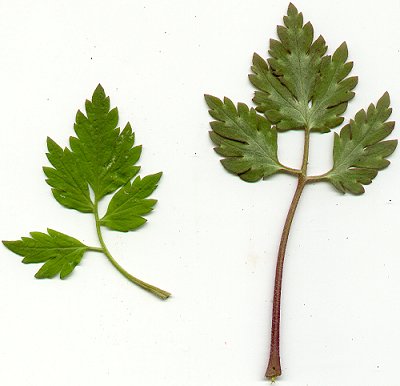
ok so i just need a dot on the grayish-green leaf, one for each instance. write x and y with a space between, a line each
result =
359 152
130 203
299 87
60 253
332 90
244 138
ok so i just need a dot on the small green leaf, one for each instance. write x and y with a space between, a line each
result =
60 253
69 185
359 152
244 138
332 91
106 157
101 160
130 203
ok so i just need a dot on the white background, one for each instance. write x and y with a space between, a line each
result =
212 239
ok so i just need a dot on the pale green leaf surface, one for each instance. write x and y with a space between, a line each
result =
244 138
130 203
332 91
299 87
60 253
359 152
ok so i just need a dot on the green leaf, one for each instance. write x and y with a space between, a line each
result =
332 90
101 160
61 253
244 138
298 86
70 187
102 157
359 152
105 155
130 203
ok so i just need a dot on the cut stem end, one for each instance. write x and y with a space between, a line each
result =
274 368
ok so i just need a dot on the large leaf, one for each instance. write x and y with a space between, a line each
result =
244 138
60 253
298 86
359 152
130 203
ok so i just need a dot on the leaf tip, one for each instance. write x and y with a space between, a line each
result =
256 57
292 10
212 101
98 93
39 275
341 54
158 176
384 101
50 143
99 89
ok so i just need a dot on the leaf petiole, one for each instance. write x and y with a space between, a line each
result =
148 287
96 249
291 171
274 365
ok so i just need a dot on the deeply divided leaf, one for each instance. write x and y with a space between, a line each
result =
70 188
244 138
130 203
101 160
333 90
299 86
359 152
60 253
101 156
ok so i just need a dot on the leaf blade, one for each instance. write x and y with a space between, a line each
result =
359 152
244 138
130 203
286 82
69 186
107 156
59 252
333 90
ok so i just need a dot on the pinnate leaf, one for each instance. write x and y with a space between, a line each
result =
299 87
101 160
244 138
60 253
130 203
359 152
